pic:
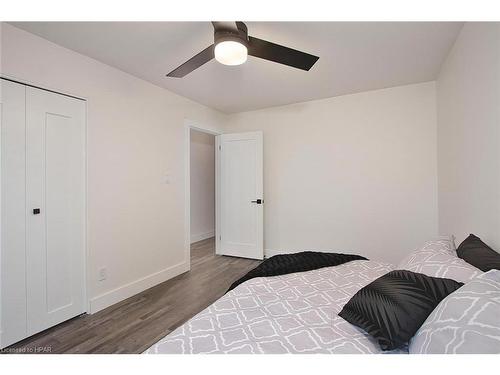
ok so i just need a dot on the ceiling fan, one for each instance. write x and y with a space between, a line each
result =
232 45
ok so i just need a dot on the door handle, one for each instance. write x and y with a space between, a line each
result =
36 211
258 201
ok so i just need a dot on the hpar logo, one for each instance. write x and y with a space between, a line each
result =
27 350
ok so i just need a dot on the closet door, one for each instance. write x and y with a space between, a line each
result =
55 200
13 218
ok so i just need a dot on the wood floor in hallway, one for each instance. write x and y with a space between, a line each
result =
134 324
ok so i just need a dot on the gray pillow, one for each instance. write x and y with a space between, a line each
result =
441 243
436 261
467 321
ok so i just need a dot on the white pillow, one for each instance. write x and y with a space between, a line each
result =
438 258
466 321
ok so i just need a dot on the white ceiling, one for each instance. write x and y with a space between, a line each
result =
354 57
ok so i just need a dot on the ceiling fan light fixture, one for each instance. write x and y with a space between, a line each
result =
232 45
230 52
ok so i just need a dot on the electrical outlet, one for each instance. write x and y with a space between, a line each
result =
167 179
102 274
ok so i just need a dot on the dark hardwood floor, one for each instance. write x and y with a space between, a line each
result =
134 324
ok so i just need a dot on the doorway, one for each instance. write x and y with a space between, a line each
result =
224 191
202 188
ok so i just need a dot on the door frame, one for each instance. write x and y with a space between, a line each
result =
204 128
86 263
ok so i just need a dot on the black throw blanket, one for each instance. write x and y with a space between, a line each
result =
298 262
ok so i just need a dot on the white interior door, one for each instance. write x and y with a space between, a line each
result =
42 253
240 224
55 240
13 218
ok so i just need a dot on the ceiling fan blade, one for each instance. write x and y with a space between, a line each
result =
280 54
193 63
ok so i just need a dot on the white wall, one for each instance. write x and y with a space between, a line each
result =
468 96
202 170
135 137
355 173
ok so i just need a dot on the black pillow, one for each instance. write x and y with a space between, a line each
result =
476 252
393 307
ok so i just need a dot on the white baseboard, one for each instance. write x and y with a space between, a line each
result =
202 236
119 294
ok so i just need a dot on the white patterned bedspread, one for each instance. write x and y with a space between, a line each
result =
294 313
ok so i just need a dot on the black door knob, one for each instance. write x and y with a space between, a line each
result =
36 211
258 201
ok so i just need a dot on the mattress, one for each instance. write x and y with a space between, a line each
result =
293 313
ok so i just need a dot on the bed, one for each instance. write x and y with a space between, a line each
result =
294 313
298 312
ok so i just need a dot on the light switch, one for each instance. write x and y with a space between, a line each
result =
103 274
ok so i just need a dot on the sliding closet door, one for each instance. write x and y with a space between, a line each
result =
55 198
13 218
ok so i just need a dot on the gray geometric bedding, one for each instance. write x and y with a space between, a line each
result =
467 321
294 313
